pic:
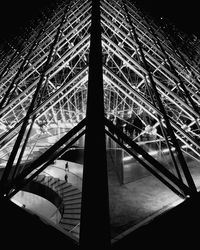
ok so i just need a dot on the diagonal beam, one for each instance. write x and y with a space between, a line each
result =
157 165
160 104
20 181
52 151
31 107
186 138
151 170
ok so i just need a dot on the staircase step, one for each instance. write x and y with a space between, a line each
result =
71 192
64 184
76 201
69 221
72 206
75 231
40 178
72 197
67 227
69 187
49 181
71 216
72 210
76 234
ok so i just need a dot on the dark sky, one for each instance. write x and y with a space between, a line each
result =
185 14
16 13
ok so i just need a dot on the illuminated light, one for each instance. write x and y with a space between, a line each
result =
17 203
155 152
152 153
166 150
127 158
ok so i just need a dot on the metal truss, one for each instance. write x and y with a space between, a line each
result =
149 85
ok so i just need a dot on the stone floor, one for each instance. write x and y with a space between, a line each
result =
139 201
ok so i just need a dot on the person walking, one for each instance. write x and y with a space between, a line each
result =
66 166
66 170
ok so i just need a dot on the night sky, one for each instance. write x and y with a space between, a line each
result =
185 14
16 13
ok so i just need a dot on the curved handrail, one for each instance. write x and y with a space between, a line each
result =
77 225
60 207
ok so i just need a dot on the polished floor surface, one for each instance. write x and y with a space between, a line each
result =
137 202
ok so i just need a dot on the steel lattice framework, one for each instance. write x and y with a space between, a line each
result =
149 85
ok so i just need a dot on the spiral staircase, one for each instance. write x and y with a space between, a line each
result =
71 202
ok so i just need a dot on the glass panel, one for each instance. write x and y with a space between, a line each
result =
135 195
